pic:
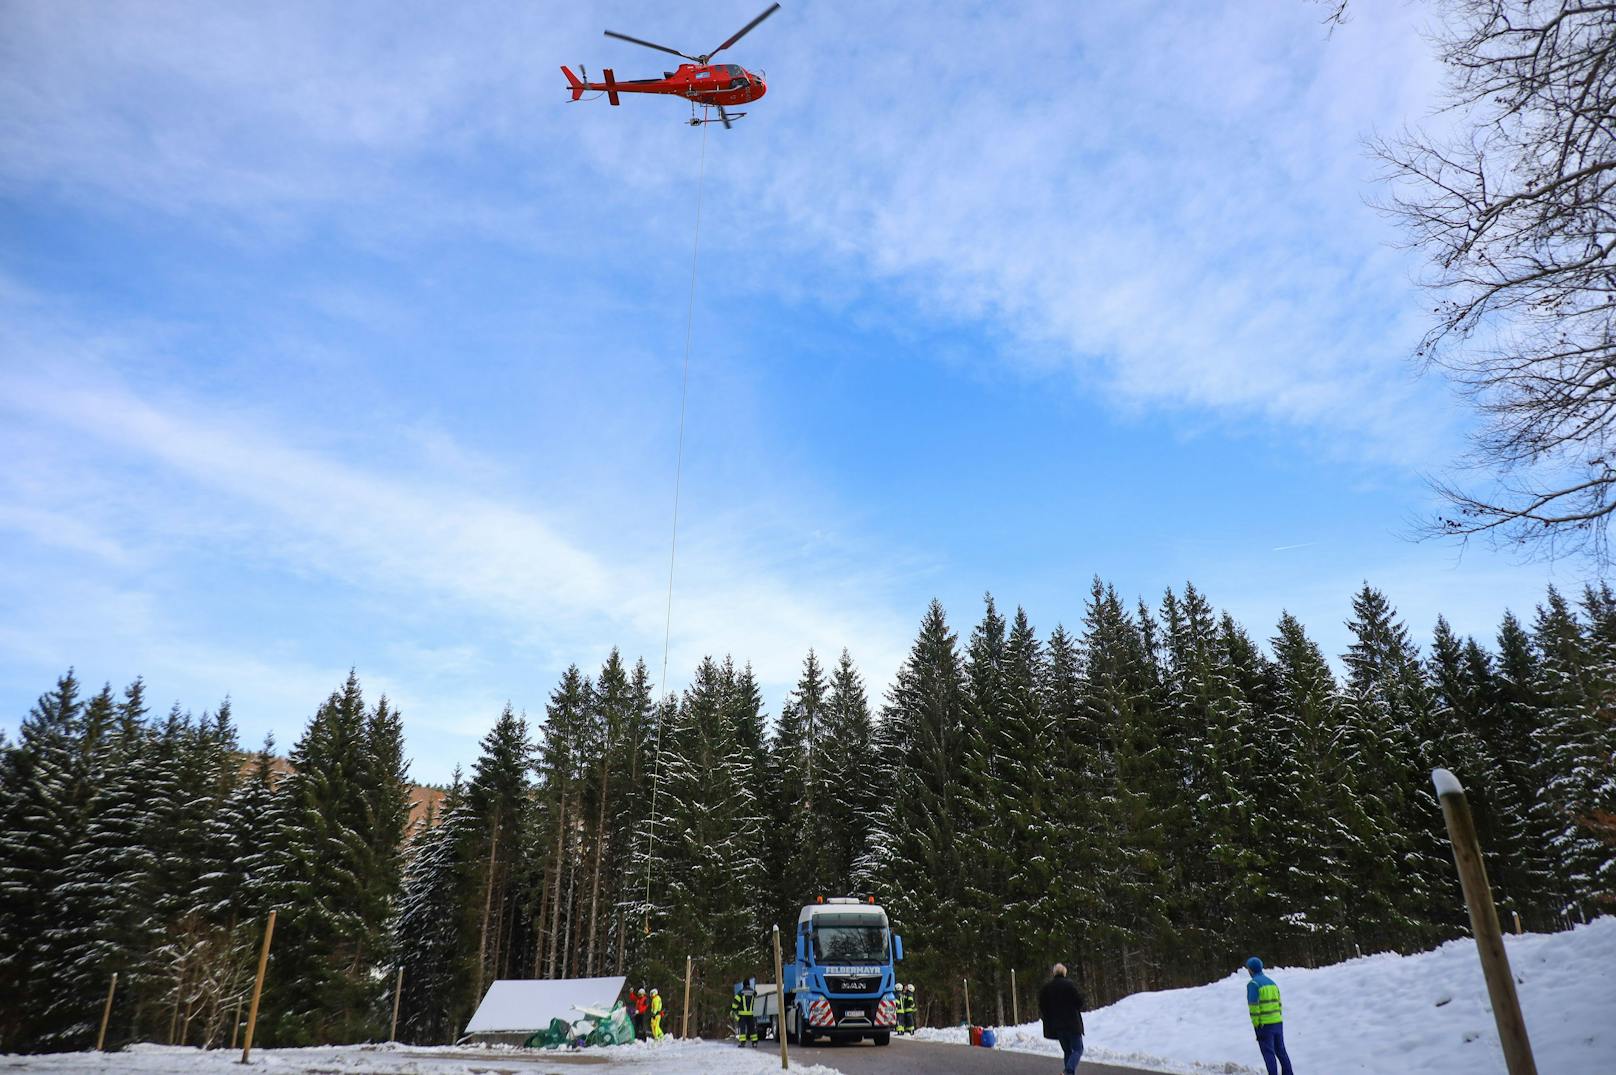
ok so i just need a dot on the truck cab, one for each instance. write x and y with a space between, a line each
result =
840 984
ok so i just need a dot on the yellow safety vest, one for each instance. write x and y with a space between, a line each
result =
1267 1011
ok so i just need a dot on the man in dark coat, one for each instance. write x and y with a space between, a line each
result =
1060 1003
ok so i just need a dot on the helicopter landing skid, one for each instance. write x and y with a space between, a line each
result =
725 117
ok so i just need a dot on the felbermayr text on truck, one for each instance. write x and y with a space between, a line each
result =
840 985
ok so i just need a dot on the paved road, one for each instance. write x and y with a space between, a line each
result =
933 1058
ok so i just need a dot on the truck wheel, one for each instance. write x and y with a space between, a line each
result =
882 1039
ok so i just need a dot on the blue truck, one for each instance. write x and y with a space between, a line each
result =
841 983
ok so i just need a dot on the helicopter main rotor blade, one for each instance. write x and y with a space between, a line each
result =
650 44
742 32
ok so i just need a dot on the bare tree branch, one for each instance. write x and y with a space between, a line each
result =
1518 221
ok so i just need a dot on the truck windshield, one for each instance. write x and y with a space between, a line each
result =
850 944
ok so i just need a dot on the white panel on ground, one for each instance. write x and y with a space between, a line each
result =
529 1004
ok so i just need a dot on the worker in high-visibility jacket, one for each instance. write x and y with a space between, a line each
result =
735 1014
1267 1018
749 1034
909 1008
656 1014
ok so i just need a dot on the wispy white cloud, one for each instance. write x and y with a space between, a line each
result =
1165 206
462 570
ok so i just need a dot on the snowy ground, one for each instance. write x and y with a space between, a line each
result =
660 1058
1424 1013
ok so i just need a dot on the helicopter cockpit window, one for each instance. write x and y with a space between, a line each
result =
737 73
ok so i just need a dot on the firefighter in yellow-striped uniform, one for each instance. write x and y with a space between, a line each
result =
747 999
735 1014
906 1009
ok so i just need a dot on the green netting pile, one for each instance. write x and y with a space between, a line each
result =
615 1028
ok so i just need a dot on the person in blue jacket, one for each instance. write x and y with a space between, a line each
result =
1267 1018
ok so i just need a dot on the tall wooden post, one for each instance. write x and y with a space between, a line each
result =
780 1000
1517 915
1484 924
258 989
967 982
1015 1008
398 992
106 1014
684 1023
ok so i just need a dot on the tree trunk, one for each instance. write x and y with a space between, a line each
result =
600 845
555 903
488 899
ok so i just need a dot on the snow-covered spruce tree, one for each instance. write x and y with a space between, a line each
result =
200 957
1214 837
436 930
65 993
41 787
499 804
105 896
335 883
1575 744
632 723
1256 811
1030 780
1391 743
617 717
1309 871
984 930
561 764
1461 674
917 858
744 699
706 858
793 858
1123 694
847 783
1599 607
1081 816
1518 711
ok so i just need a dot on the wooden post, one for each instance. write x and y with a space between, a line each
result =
235 1026
684 1023
106 1014
1517 915
258 989
1484 924
1015 1008
398 992
780 1000
967 982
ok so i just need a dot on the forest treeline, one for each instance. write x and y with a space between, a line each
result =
1150 796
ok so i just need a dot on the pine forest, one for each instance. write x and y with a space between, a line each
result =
1149 793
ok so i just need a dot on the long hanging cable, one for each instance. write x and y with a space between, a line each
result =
673 543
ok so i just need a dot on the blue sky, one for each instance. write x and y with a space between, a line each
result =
332 335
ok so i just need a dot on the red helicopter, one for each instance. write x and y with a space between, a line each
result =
711 85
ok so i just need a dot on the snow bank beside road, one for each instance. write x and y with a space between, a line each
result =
645 1058
1423 1013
